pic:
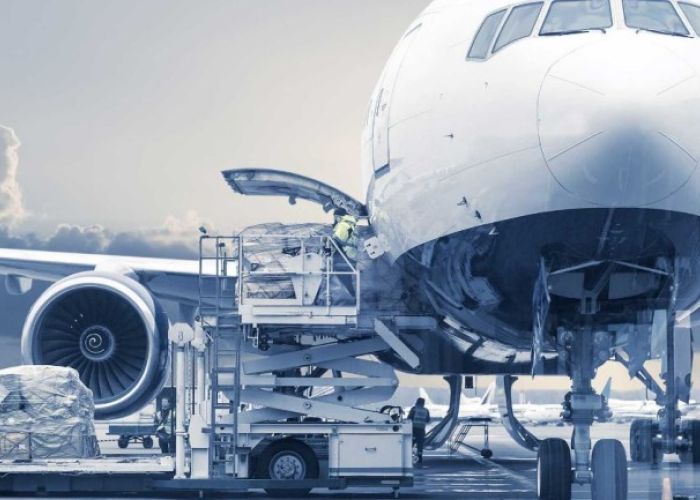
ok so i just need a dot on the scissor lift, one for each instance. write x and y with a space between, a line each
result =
289 379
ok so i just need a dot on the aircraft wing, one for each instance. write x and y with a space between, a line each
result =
171 279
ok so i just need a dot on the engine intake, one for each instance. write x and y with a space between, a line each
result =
110 329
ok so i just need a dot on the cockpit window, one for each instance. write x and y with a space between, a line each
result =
658 16
482 41
692 12
519 24
576 16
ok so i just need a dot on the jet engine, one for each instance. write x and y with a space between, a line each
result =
110 329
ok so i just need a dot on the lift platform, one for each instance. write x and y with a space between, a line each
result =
289 378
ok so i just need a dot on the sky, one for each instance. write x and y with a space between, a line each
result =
128 110
116 118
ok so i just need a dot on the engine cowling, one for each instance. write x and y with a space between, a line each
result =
110 329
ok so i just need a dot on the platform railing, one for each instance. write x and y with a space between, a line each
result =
302 271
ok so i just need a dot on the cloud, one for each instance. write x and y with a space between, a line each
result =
177 241
175 238
11 209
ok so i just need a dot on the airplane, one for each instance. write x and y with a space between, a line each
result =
628 410
531 188
468 407
550 414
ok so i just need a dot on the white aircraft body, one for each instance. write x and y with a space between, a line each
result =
531 175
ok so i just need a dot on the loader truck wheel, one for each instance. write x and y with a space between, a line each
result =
287 460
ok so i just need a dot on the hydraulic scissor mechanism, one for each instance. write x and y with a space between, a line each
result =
589 313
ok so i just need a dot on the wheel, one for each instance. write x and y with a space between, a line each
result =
486 453
694 435
123 442
642 433
634 431
148 442
554 470
287 459
609 468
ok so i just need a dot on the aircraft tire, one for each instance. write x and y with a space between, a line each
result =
554 470
694 435
641 440
609 468
634 441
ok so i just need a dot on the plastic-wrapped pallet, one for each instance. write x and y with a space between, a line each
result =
45 412
268 248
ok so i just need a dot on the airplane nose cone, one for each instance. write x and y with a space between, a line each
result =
618 121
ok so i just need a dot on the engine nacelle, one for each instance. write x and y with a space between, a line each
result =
110 329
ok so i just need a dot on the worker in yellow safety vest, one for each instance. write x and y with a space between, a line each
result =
344 229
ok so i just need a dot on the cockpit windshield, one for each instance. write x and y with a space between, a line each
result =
658 16
576 16
692 12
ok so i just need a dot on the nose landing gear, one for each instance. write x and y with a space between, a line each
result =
605 469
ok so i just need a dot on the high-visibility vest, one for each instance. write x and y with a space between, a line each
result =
344 234
420 416
164 419
344 229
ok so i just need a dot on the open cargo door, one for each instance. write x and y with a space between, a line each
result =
267 182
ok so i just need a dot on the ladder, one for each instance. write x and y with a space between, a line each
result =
457 440
219 268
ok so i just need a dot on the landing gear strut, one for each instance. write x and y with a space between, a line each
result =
671 339
667 436
605 469
581 350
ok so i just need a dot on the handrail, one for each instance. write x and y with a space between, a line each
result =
249 253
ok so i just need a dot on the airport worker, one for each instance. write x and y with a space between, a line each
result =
164 427
344 227
420 416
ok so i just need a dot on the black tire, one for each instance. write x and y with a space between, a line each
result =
693 427
123 442
642 433
300 455
609 468
554 470
634 431
487 453
147 442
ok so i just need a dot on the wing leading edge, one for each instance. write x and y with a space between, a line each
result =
172 279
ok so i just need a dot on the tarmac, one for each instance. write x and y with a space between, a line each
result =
509 474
